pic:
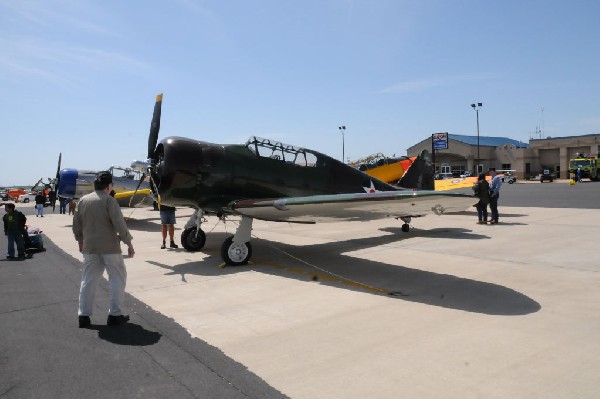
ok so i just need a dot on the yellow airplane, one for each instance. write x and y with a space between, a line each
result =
389 170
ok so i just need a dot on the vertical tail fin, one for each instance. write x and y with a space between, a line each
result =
420 174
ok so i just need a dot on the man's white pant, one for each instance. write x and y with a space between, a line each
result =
93 268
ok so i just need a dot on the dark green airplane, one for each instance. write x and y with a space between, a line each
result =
268 180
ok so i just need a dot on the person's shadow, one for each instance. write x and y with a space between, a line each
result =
127 334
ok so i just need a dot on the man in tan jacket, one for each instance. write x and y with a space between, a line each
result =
99 226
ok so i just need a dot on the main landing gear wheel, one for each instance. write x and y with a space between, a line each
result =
191 241
405 227
235 254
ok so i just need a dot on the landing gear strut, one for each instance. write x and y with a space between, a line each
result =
193 238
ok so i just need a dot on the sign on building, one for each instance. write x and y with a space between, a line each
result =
439 141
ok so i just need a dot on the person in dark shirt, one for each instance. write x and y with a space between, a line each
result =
167 219
483 192
14 224
52 199
40 200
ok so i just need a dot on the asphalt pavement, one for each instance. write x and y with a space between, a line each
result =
43 353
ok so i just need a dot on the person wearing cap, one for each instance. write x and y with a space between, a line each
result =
99 226
495 185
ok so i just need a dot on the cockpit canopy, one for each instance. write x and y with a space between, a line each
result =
284 152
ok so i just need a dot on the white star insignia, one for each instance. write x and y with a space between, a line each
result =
370 190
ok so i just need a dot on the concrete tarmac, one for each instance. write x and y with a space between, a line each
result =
451 309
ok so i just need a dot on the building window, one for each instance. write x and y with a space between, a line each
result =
506 166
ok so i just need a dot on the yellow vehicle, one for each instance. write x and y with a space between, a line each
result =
587 166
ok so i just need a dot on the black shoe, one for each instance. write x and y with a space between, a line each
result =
163 246
10 257
84 321
117 320
173 245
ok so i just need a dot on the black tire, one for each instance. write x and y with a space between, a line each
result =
405 227
25 200
235 255
191 241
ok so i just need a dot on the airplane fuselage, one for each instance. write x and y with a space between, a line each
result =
76 183
209 176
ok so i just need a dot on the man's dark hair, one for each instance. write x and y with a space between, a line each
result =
103 179
9 205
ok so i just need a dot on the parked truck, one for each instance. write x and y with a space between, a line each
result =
587 165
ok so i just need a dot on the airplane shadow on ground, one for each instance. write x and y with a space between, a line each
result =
144 225
127 334
326 264
474 214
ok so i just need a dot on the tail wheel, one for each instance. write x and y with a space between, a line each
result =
191 241
236 254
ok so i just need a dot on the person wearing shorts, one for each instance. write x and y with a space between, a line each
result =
167 219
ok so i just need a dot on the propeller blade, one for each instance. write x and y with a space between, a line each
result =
136 189
57 181
154 126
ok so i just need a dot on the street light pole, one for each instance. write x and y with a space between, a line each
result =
343 130
476 107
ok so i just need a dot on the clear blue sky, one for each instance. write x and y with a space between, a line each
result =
80 77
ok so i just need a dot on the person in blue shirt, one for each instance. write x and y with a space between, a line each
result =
495 185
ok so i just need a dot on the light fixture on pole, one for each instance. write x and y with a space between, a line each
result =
343 130
476 107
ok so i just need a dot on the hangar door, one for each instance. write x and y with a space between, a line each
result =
550 159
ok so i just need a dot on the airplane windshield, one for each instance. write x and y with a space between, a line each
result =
282 152
125 173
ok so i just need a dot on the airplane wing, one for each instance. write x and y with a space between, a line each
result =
457 183
453 184
359 206
134 197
